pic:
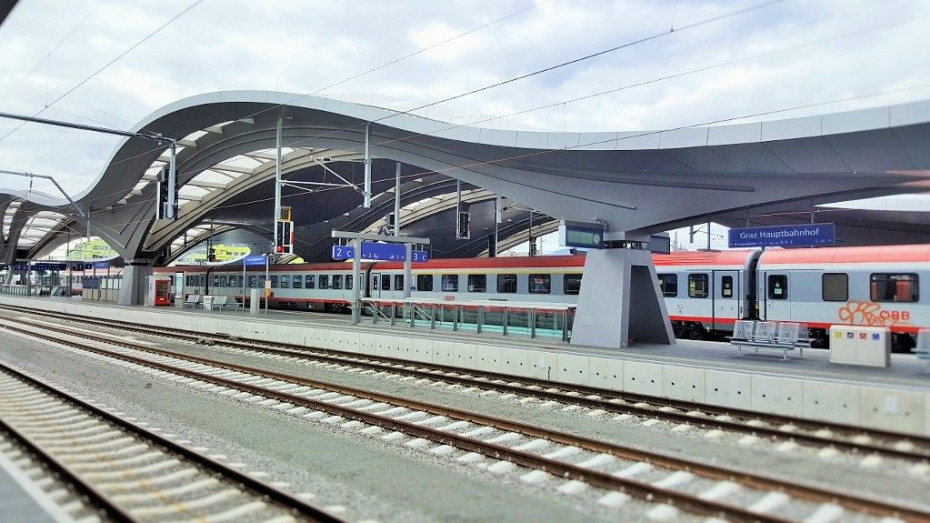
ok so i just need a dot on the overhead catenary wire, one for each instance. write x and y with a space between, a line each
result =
111 62
48 56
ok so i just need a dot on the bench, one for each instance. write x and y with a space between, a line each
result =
218 303
193 301
768 335
227 303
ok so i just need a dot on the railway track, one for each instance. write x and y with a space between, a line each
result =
776 427
96 463
672 483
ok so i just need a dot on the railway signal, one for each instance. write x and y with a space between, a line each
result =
285 237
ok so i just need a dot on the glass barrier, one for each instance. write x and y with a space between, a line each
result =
523 320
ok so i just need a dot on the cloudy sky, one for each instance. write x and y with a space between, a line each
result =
681 63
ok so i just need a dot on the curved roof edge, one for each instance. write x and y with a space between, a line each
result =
684 137
690 136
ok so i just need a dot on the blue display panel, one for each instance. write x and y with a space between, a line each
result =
379 251
810 235
254 261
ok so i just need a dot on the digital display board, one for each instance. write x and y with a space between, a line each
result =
578 234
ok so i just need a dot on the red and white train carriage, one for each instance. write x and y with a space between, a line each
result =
705 292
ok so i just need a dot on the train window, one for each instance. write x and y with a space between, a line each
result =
697 286
778 287
450 283
274 282
203 280
477 283
240 280
298 281
324 281
507 283
285 281
189 281
540 283
835 287
310 281
385 282
894 287
349 282
216 281
253 282
398 282
669 285
571 284
726 287
337 281
424 282
224 281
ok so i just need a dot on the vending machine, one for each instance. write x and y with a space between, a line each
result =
159 291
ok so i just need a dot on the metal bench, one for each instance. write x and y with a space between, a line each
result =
193 301
228 303
768 335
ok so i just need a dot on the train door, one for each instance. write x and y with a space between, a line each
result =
726 295
179 287
774 291
375 285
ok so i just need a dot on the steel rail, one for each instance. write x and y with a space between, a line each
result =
295 503
757 481
654 408
99 499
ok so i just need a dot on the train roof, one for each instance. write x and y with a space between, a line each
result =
837 255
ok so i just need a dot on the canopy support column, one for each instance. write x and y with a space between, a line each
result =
620 302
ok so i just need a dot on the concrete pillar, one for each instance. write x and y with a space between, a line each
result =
135 282
619 301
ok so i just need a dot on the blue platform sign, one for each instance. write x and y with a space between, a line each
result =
810 235
254 261
379 251
45 266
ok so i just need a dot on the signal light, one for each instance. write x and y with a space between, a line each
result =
285 237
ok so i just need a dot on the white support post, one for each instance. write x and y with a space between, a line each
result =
367 202
408 269
277 183
397 200
357 276
172 199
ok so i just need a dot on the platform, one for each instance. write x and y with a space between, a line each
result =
21 501
894 398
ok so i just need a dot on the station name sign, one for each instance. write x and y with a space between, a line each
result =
380 252
254 261
810 235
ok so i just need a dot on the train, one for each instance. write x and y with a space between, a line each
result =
705 292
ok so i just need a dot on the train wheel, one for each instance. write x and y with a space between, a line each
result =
697 332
